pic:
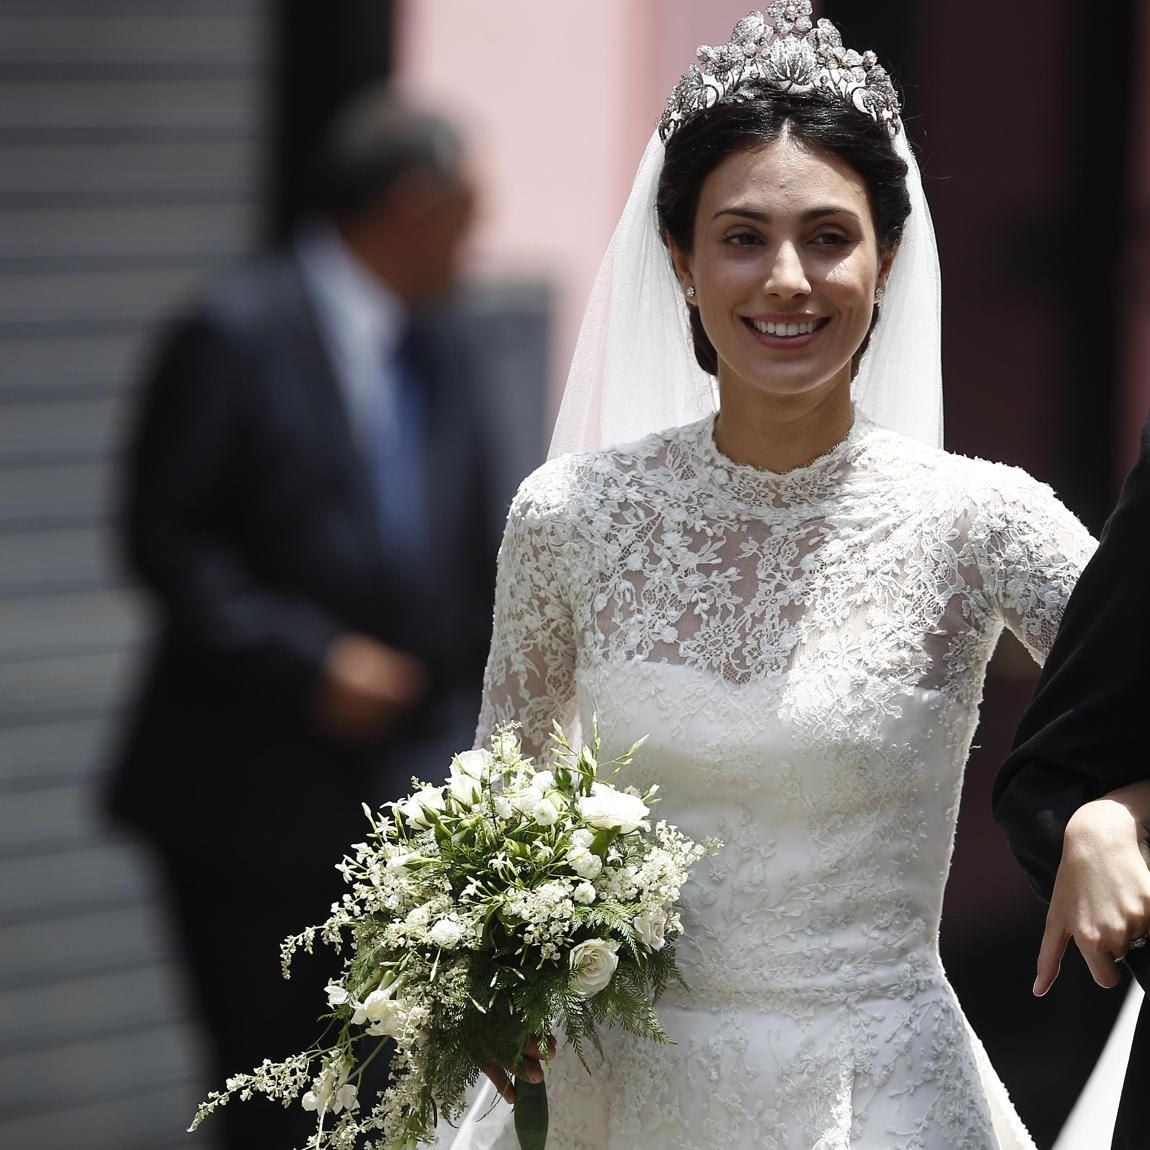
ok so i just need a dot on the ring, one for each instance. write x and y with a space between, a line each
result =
1139 943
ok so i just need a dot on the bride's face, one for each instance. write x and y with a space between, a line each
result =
785 266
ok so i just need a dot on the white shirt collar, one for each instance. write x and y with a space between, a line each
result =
356 308
361 322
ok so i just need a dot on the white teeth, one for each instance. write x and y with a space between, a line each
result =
769 327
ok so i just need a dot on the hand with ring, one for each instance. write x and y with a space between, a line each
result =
1101 896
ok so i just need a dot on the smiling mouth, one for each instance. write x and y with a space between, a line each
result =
781 330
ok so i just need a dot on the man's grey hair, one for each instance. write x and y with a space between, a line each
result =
374 141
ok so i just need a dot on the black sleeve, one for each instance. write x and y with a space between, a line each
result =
183 476
1085 731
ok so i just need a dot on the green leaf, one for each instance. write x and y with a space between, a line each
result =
531 1114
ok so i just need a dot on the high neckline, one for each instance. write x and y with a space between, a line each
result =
819 478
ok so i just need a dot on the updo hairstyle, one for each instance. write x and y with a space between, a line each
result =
759 117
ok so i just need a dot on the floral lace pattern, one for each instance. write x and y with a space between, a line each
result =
806 653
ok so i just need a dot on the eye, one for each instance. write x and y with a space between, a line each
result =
743 238
833 238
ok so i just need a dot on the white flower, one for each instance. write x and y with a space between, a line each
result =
526 800
415 808
345 1097
505 747
399 860
544 813
475 763
582 837
503 807
383 1012
543 780
584 863
417 918
592 965
608 809
331 1091
585 893
336 995
649 928
468 772
446 933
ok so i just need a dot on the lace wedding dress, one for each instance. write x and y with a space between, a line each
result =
805 652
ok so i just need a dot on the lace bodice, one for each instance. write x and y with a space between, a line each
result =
805 652
881 567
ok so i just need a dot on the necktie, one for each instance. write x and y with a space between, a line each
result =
400 461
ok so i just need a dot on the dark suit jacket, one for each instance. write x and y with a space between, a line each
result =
249 516
1083 733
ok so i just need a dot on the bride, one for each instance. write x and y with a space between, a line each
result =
794 597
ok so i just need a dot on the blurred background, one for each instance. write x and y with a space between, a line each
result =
147 144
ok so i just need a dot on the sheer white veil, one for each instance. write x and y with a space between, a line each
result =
634 369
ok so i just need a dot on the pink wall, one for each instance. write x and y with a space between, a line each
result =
558 101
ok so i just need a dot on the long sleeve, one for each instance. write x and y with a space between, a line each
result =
1030 552
1083 734
184 471
530 676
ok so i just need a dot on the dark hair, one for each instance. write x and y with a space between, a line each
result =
373 142
702 143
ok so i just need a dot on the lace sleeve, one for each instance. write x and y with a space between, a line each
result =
1030 551
530 676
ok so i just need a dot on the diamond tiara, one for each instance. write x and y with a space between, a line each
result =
789 55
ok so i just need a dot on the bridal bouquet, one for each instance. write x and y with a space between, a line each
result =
513 901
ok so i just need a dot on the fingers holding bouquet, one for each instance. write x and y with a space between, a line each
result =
529 1068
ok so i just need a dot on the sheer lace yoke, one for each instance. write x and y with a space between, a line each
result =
756 487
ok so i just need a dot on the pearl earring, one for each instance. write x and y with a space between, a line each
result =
879 292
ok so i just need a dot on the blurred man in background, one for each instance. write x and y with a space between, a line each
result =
304 501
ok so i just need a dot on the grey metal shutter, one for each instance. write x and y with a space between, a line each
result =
130 143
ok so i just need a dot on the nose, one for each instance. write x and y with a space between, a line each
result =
786 277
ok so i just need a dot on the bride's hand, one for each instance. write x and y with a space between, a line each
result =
532 1069
1101 893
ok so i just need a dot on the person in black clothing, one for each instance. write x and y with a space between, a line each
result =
305 504
1074 795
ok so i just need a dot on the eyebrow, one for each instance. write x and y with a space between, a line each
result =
764 218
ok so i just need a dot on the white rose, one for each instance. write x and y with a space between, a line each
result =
609 809
475 763
592 965
446 933
463 788
649 928
582 837
543 780
585 893
415 808
584 863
